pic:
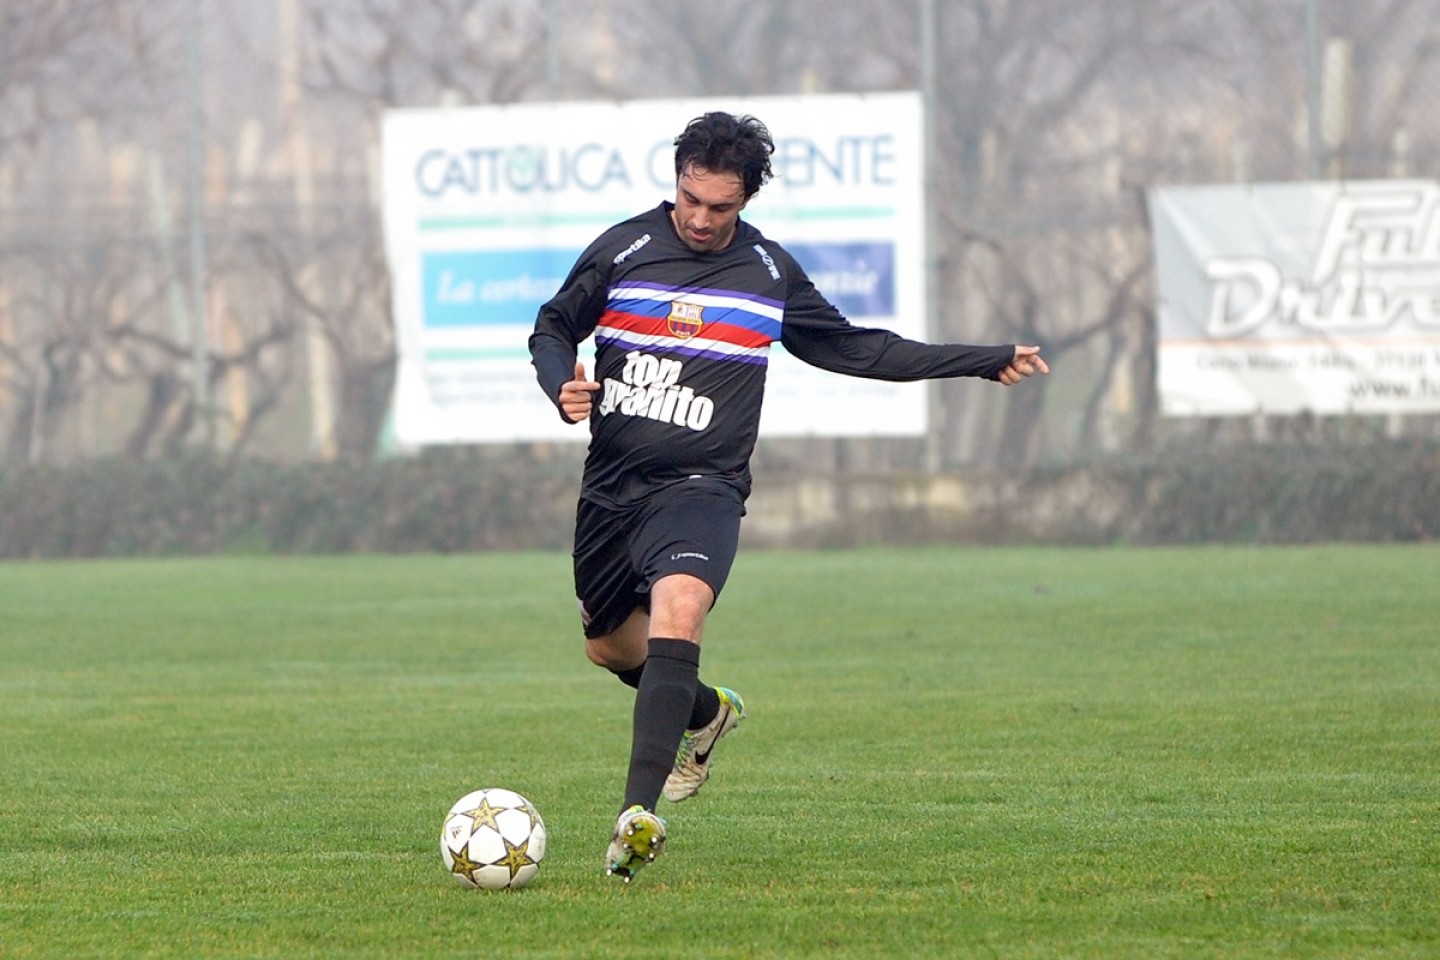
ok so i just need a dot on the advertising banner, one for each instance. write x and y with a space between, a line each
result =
486 208
1282 298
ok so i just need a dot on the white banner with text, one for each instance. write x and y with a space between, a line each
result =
486 208
1281 298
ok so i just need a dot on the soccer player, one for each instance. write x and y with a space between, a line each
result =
684 302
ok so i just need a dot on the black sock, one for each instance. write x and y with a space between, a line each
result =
663 702
707 700
707 707
631 677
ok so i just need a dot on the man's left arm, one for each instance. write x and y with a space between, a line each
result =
816 332
823 338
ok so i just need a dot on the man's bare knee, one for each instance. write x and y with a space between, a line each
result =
624 648
679 604
601 652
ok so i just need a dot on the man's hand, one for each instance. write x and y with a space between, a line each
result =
577 396
1027 363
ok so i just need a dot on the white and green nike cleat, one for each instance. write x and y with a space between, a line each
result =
692 760
638 839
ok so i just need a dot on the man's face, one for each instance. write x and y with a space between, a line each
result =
707 207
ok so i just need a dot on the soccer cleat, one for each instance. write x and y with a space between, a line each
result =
638 839
692 760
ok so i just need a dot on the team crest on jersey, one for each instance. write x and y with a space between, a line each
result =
685 319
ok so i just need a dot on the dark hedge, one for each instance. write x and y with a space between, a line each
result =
454 500
427 504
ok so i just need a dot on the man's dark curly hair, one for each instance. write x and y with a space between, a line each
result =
723 143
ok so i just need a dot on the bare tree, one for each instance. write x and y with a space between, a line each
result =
63 310
404 52
351 313
1051 120
1390 98
64 59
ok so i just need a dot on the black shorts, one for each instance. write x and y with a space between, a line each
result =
690 527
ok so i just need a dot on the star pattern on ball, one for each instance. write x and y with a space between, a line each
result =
533 814
462 864
484 815
516 856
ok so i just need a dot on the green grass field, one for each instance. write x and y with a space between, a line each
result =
1008 753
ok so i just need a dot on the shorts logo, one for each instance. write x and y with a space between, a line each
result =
685 319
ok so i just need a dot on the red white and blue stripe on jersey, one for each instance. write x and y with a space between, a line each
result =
737 327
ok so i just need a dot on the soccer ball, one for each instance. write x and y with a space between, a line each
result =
493 839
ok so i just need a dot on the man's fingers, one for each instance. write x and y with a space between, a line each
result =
1027 361
1022 367
577 396
582 380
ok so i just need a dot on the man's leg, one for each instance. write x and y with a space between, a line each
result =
682 549
664 701
665 698
624 652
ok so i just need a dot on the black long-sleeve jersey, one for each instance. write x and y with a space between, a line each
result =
682 345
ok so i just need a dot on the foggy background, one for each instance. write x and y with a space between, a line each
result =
191 258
